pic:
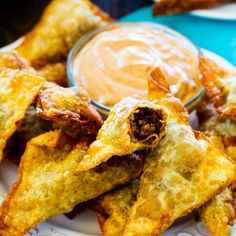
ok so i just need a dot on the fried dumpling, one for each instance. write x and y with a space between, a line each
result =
54 72
12 60
61 25
182 173
220 130
220 86
31 126
49 184
131 125
69 109
113 209
165 7
219 213
18 90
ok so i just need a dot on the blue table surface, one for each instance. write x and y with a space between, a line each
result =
218 36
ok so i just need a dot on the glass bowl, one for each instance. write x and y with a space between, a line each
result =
104 110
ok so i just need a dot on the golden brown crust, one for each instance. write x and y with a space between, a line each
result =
118 124
49 184
54 72
61 25
12 60
18 91
166 7
113 209
219 214
31 126
69 109
180 175
220 87
159 92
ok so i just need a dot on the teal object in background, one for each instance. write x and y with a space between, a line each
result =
218 36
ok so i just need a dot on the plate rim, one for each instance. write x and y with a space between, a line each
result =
214 15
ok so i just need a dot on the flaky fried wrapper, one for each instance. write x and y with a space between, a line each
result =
220 87
18 90
61 25
69 109
218 214
181 174
49 184
131 125
113 209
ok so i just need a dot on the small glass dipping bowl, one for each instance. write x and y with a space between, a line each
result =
103 109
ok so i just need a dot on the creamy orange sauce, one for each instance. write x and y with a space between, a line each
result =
115 64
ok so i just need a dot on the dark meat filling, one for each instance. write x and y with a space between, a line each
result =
145 122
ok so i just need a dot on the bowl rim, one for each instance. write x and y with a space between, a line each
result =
80 43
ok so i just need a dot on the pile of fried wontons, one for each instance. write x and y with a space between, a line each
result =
143 167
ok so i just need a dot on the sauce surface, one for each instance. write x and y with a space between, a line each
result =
116 63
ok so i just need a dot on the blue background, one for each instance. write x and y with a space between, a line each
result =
218 36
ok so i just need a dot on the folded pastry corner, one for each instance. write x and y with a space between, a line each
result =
113 209
220 86
61 25
69 109
219 214
18 91
49 183
12 60
131 125
182 173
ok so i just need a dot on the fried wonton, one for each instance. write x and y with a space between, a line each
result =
131 125
12 60
220 130
165 7
31 126
69 109
49 184
220 86
17 91
181 174
113 209
54 72
61 25
219 214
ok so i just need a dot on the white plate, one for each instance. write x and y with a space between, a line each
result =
86 223
224 12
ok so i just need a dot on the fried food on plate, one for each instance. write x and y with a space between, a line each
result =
31 126
12 60
220 130
17 91
220 86
131 125
165 7
49 184
61 25
54 72
69 109
219 214
181 174
113 209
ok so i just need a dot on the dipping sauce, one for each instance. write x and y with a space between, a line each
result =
115 63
